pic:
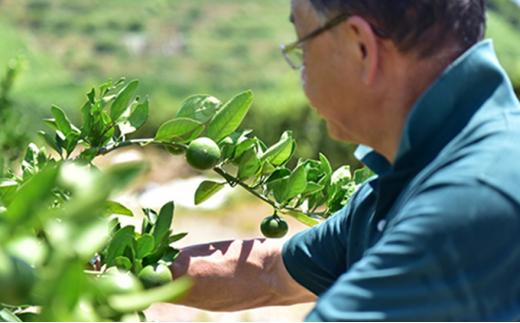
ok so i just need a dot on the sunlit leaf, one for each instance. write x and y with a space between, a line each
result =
199 107
123 99
145 245
177 237
164 222
250 165
121 240
123 262
230 116
113 207
179 130
206 190
31 195
62 122
301 217
280 152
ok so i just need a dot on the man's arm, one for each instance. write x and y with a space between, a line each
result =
236 275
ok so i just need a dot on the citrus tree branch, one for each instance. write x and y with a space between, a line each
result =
140 142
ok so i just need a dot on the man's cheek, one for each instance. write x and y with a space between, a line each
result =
309 87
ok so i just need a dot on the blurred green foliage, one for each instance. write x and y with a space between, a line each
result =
178 48
13 123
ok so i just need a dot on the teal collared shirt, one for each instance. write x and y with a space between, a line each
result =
436 235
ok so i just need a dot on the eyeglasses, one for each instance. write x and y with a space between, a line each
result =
293 52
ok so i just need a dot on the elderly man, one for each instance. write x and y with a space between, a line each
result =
435 235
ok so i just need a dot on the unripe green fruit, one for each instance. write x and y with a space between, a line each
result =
203 153
115 281
274 227
152 276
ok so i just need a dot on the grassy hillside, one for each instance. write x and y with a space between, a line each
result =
506 38
178 48
175 47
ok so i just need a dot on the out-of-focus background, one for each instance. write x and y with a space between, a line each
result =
177 48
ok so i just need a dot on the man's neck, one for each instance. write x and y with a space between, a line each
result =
408 80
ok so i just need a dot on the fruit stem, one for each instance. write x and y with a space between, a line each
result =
229 177
262 197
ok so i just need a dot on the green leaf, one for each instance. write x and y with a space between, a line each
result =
120 175
314 171
8 316
313 188
250 165
113 207
206 190
169 256
8 189
123 263
280 152
145 245
325 165
141 300
51 123
140 114
91 237
91 96
88 119
278 174
268 169
71 142
31 196
117 245
301 217
62 122
68 284
286 188
244 146
123 99
199 107
177 237
179 130
230 116
362 174
137 117
49 140
164 222
342 175
278 187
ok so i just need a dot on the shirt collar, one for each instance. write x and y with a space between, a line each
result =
477 68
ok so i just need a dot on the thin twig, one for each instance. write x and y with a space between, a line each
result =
140 142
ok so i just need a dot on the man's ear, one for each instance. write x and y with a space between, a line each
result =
367 47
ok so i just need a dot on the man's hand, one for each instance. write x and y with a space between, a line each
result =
237 275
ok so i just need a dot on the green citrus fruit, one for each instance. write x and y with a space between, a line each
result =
203 153
17 279
273 227
153 276
115 281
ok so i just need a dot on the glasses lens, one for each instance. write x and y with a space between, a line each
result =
295 57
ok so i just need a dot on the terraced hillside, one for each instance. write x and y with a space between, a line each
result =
177 48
